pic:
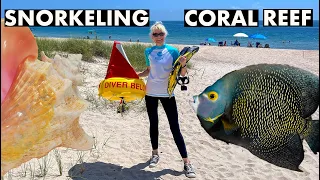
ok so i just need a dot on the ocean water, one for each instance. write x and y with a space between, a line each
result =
305 38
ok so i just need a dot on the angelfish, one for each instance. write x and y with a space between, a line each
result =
265 108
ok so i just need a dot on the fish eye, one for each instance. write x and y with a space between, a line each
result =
213 95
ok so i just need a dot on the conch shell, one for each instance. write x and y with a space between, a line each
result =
17 44
40 106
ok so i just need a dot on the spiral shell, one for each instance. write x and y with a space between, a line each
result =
41 111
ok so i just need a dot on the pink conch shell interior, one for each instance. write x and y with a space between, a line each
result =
40 104
13 39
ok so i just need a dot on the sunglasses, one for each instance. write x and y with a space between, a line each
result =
158 34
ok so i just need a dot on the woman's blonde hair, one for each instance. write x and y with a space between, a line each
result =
158 25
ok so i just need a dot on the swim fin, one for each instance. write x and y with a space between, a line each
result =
188 52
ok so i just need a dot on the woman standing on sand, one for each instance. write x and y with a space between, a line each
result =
159 61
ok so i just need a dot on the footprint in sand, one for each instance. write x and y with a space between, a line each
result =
220 175
250 165
222 169
235 167
250 161
206 143
229 174
254 178
249 171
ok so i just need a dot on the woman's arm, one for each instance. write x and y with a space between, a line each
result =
145 72
183 71
183 62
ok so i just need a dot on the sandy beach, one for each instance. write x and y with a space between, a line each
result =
122 149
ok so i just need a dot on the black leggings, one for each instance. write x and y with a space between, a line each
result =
170 107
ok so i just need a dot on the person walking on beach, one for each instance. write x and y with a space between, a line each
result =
159 61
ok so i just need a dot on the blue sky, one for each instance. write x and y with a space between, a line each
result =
162 9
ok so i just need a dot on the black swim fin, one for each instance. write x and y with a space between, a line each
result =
184 50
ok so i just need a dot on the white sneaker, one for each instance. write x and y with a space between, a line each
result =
154 160
189 170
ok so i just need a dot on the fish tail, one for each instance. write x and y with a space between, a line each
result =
311 135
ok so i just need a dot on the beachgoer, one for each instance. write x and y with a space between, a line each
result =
159 61
236 42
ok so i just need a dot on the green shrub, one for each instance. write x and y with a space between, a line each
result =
90 48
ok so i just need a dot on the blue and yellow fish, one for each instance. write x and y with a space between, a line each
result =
265 108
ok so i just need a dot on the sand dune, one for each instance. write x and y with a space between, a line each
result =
123 146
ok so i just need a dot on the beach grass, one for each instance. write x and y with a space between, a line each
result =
90 48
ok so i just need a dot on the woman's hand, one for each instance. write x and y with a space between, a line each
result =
144 73
183 61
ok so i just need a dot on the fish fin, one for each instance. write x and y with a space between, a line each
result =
217 131
289 155
311 135
229 127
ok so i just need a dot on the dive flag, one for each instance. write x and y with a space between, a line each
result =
119 65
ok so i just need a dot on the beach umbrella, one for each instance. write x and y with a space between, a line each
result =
210 40
257 36
240 35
